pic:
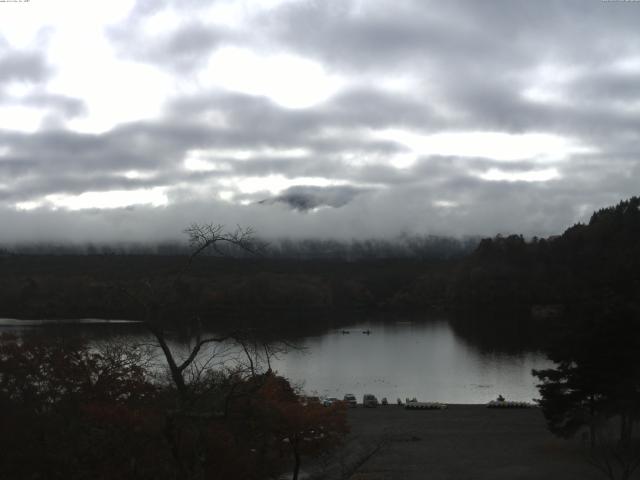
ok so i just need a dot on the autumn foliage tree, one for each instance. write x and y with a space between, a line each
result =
67 410
298 427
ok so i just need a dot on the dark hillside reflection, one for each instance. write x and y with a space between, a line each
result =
501 331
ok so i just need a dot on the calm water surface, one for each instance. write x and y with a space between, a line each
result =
426 360
423 360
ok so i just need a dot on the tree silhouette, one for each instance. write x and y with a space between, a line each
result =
597 382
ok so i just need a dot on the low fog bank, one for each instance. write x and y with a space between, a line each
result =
386 218
404 246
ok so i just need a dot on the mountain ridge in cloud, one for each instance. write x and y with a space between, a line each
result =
306 197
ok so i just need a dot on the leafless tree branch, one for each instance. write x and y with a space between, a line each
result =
196 350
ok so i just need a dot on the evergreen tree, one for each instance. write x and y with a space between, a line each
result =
597 377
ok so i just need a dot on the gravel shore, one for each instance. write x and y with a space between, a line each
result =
463 442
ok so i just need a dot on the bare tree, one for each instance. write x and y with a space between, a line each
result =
191 374
214 236
154 298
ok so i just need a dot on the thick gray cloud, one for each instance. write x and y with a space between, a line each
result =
569 69
27 68
505 33
68 107
22 66
182 49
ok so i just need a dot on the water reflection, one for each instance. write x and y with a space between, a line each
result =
424 359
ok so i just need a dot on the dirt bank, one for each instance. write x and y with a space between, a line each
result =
463 442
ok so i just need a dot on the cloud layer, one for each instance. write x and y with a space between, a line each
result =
333 118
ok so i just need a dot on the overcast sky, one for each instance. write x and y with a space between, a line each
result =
130 119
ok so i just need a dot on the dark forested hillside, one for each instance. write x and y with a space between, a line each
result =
73 286
69 281
598 260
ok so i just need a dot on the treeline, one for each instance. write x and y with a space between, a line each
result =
283 276
600 259
430 247
55 286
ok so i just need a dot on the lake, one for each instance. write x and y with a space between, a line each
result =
397 359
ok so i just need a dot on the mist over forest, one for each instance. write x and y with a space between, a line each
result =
540 277
405 246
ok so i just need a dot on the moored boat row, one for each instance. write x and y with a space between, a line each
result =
425 406
508 404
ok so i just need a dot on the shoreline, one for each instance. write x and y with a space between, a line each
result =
461 442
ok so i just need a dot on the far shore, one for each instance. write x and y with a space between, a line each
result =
17 322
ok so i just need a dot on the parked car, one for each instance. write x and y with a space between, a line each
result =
350 399
327 402
369 400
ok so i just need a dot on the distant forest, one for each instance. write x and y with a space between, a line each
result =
542 277
422 247
598 260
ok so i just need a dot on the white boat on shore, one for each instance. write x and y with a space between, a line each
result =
509 404
425 406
